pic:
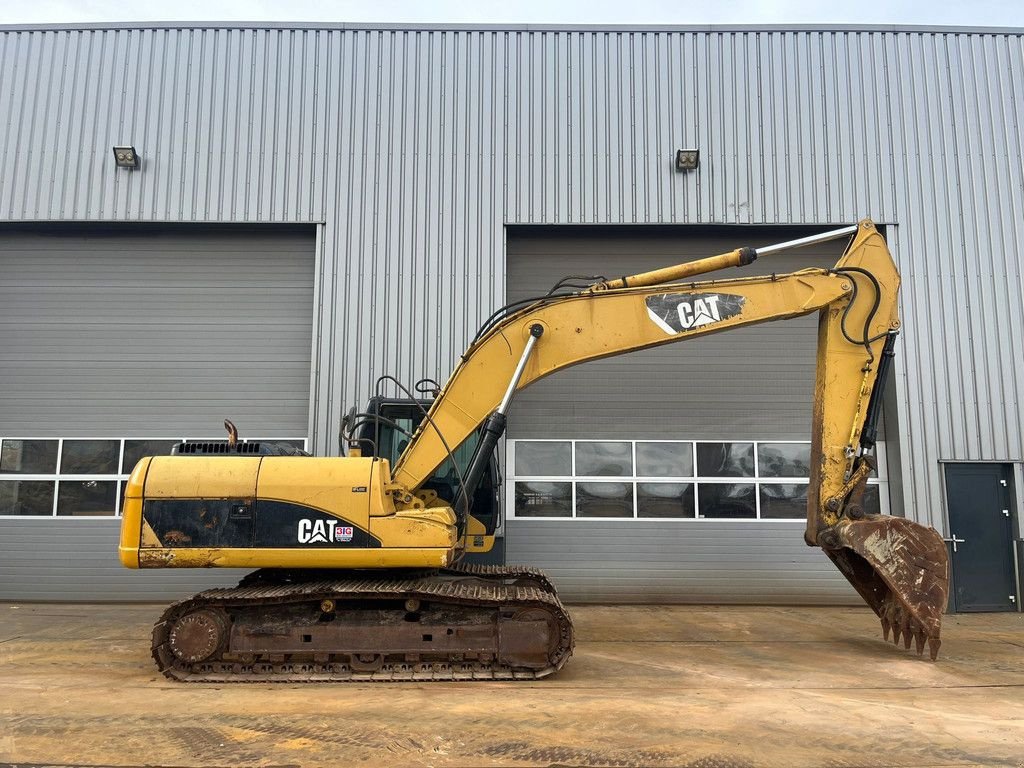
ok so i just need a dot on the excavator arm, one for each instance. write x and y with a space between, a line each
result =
899 567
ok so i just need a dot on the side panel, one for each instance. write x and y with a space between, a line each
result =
276 512
339 487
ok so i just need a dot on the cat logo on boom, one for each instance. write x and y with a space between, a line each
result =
698 312
678 312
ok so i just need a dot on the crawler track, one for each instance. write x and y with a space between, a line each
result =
460 623
517 574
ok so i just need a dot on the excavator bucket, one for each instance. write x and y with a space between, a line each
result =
901 569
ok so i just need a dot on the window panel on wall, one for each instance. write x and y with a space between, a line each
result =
26 497
90 457
727 500
87 498
28 457
542 499
664 459
544 458
725 459
595 499
783 501
872 499
604 459
783 459
664 500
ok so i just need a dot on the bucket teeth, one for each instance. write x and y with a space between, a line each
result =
920 638
903 626
895 615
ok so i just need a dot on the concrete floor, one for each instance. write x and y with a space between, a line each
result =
649 686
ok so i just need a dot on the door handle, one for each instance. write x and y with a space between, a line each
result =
955 541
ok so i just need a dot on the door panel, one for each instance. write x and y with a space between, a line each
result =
979 500
155 331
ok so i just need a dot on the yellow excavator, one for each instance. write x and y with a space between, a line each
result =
361 572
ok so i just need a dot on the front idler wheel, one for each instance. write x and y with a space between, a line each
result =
197 635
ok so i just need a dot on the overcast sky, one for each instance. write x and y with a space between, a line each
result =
944 12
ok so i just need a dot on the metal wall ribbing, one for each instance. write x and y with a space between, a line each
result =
415 146
713 561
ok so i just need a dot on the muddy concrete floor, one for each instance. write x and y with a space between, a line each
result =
648 686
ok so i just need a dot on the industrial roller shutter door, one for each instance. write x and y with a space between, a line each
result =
752 383
150 333
154 332
746 385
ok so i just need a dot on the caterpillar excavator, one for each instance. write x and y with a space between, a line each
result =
361 558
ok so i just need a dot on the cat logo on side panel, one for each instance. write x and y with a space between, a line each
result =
316 531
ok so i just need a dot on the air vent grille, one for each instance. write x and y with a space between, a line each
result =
215 448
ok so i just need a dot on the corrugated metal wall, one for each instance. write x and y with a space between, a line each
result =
66 559
415 147
720 561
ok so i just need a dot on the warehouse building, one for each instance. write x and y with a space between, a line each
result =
255 222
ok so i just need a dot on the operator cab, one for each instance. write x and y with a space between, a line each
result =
381 439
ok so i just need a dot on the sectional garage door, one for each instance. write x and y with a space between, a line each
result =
116 337
674 474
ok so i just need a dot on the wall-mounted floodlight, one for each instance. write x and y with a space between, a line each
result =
687 159
126 157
